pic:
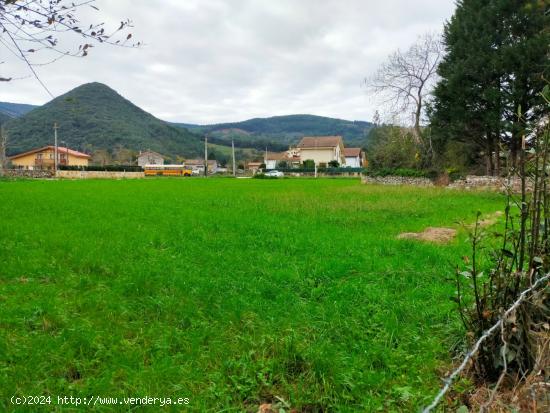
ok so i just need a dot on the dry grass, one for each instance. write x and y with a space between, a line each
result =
529 394
446 235
437 235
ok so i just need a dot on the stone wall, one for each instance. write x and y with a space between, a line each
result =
23 173
99 175
488 183
397 180
471 182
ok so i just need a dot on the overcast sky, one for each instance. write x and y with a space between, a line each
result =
208 61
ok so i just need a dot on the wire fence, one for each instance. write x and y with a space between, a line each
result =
499 324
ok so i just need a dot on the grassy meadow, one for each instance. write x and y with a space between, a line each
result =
228 292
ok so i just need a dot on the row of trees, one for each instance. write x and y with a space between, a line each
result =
478 89
491 77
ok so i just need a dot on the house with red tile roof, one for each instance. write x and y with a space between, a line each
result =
322 149
44 158
274 159
355 158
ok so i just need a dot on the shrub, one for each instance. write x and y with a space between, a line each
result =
99 168
415 173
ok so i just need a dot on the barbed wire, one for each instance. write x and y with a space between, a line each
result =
475 348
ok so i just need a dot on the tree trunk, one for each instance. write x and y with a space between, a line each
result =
489 155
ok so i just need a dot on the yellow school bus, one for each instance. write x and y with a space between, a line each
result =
166 170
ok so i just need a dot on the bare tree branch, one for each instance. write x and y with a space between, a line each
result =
404 82
29 27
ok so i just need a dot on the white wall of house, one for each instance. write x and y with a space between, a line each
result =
270 164
353 162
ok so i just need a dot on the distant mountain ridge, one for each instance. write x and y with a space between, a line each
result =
15 110
94 116
285 130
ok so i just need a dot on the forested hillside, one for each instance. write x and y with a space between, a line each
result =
14 110
279 131
92 117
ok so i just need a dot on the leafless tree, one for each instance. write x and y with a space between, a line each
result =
29 28
405 81
102 157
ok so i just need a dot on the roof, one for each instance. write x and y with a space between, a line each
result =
255 163
320 142
281 156
150 153
60 149
278 156
352 152
199 162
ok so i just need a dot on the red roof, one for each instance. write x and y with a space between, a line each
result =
320 142
60 149
352 152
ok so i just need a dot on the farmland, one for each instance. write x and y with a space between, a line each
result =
229 292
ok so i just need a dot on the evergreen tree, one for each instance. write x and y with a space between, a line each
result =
496 53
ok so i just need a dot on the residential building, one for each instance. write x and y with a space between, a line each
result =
149 158
197 165
355 158
322 149
254 167
44 158
273 160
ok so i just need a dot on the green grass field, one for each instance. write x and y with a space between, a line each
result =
228 292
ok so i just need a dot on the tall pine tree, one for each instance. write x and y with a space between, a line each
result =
496 54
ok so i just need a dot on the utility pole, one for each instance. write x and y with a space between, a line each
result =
55 127
233 151
206 156
265 160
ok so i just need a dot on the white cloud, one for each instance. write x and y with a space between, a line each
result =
211 61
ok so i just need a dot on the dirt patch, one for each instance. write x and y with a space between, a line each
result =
490 220
431 234
446 235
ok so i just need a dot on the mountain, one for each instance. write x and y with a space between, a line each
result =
94 116
14 110
4 118
280 131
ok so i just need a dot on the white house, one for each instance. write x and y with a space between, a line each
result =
290 157
149 158
197 165
355 158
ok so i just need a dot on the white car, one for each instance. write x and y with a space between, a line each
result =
275 174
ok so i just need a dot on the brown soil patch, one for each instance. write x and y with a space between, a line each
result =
431 234
489 220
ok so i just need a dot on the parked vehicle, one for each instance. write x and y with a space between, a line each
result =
275 174
166 170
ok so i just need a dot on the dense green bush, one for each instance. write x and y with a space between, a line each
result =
319 170
97 168
416 173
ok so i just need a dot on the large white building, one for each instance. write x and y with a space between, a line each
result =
322 149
